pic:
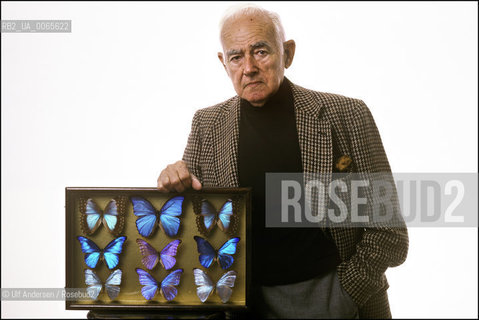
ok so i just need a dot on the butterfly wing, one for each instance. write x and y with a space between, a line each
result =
206 251
91 251
92 216
150 285
150 255
147 214
93 283
204 283
169 214
168 284
208 213
224 285
112 284
225 214
110 215
225 258
167 255
112 252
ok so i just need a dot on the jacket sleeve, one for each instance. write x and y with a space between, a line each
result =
382 245
192 154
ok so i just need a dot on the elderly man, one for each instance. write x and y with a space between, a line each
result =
273 125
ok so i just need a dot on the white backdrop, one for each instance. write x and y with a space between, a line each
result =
111 103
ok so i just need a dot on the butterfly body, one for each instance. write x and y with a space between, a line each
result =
95 286
151 257
151 286
206 285
224 255
112 217
167 217
110 254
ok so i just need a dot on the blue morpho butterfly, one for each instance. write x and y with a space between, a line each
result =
109 254
92 217
168 216
208 217
206 285
208 254
151 257
167 286
112 284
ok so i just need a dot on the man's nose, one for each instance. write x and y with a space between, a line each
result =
250 66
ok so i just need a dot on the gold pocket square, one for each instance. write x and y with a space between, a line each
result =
343 164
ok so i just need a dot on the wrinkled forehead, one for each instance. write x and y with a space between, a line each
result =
241 32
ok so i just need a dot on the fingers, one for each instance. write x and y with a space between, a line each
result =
195 183
163 181
176 177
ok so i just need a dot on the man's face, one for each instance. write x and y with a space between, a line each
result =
253 58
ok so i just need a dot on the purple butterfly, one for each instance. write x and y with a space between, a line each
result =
166 287
151 257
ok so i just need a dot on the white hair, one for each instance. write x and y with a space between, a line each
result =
251 9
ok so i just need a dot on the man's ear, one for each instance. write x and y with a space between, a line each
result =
220 56
289 49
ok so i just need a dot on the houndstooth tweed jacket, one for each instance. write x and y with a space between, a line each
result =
321 119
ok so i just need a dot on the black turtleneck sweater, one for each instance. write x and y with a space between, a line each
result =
269 143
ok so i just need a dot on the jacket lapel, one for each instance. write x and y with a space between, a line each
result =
227 138
314 133
315 141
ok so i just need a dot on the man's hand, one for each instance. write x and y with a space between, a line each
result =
176 177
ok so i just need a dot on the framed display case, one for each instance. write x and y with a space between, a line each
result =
138 249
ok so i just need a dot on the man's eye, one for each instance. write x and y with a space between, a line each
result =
235 58
262 52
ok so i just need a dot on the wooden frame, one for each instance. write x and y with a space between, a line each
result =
75 262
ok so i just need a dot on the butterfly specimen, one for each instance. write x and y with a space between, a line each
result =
208 217
148 216
151 257
112 284
167 286
112 217
224 255
110 254
206 285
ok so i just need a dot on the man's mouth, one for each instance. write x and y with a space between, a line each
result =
254 83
